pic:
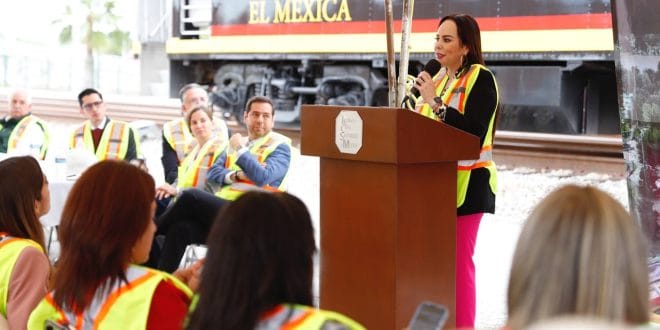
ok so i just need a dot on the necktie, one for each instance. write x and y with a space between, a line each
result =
96 136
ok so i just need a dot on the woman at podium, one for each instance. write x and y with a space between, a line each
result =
463 93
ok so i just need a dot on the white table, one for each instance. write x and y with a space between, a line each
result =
59 190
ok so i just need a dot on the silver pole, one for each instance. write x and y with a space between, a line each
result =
391 61
406 26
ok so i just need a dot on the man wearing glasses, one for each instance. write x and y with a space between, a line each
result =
104 137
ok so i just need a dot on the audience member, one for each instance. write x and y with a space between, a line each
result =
106 229
259 268
579 254
24 267
177 140
21 132
208 146
261 159
100 135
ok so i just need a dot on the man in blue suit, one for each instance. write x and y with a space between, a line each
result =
260 160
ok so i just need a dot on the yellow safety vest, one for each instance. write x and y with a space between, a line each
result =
178 136
10 250
193 169
289 316
29 123
124 306
261 149
456 97
113 143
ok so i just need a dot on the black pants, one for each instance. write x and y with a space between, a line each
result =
187 221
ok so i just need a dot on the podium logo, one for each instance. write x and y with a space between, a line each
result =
348 132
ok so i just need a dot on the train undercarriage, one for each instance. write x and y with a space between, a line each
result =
554 96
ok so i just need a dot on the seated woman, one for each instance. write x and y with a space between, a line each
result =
579 254
106 229
24 268
259 268
208 146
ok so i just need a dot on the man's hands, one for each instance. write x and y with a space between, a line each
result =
237 141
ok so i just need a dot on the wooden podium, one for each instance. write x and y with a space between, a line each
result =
388 212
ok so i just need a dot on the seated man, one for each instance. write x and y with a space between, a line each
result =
103 137
177 140
261 159
20 131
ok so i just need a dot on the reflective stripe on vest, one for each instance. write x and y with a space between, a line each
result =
178 136
286 316
485 159
193 169
123 306
113 143
24 126
10 249
261 149
455 95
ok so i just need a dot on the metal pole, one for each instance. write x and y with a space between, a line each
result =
408 6
391 61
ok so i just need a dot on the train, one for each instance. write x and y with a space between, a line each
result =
553 60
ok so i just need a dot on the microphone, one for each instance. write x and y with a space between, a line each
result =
432 67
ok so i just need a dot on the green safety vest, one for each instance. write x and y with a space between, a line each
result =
113 143
29 123
10 250
456 97
193 169
261 148
124 306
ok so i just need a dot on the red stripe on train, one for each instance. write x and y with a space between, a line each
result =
513 23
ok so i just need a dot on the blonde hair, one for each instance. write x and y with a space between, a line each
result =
580 253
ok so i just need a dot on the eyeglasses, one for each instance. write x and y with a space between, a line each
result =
90 106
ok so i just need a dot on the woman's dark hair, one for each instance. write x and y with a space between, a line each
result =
469 35
261 250
107 211
21 180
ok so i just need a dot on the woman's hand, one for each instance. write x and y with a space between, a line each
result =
191 275
426 86
165 191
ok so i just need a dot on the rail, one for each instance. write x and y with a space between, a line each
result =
159 110
584 145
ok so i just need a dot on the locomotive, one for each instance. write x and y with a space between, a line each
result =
553 60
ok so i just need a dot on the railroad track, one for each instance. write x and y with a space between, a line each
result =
536 150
